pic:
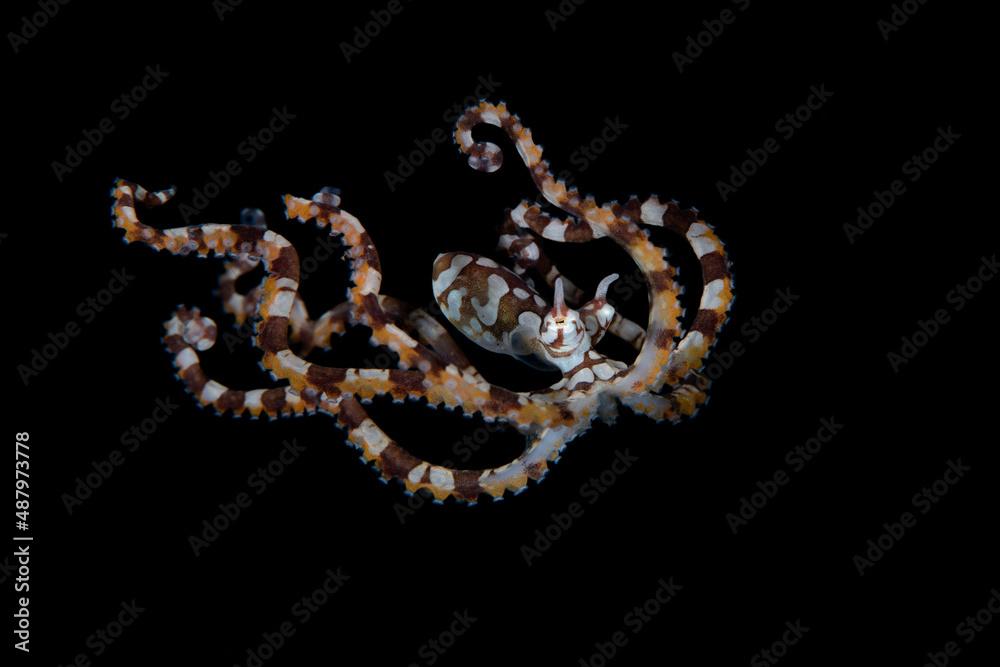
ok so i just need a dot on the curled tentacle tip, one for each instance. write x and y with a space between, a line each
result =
200 332
485 156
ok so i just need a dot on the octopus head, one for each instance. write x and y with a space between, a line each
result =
562 332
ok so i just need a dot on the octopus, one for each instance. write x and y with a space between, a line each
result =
498 308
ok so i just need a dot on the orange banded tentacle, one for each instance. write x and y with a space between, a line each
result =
241 306
366 275
682 401
279 290
307 333
717 277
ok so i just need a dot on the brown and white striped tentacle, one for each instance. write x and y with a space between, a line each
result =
414 321
717 278
366 276
395 462
405 324
419 323
528 215
241 306
187 333
306 333
317 334
529 255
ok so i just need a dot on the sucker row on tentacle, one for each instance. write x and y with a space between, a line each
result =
491 305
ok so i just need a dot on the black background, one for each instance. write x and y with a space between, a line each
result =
665 517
